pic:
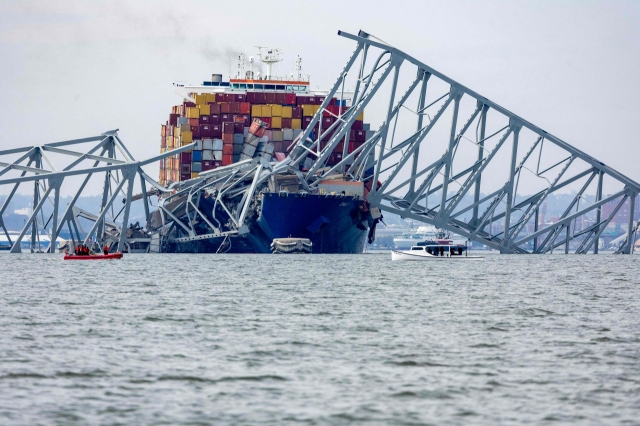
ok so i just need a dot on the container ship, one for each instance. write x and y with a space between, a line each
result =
255 117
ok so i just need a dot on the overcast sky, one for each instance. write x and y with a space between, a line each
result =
71 69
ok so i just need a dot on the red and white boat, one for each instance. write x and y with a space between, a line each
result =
109 256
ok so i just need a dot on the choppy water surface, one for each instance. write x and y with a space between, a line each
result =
199 339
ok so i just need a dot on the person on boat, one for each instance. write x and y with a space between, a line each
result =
105 250
442 251
85 250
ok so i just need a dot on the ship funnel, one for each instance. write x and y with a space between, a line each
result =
216 78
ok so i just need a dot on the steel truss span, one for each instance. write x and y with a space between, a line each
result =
47 167
449 157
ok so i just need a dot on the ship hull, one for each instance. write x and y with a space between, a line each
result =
330 222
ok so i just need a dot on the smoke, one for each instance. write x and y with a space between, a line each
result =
214 53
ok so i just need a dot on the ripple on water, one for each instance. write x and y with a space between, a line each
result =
325 339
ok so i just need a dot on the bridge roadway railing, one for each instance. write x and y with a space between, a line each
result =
457 186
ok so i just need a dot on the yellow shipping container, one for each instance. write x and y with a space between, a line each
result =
186 138
205 109
307 110
296 123
200 99
211 97
276 110
265 111
316 108
168 140
276 123
256 110
361 116
193 112
286 112
194 175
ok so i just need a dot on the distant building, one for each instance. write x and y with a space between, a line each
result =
622 217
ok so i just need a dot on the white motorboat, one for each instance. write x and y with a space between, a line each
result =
434 252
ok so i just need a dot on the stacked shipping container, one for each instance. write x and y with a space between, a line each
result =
220 123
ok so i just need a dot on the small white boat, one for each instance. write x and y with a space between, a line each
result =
421 253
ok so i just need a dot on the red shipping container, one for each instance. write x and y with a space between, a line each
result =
246 120
227 160
234 107
320 100
306 121
205 131
205 119
290 98
245 108
195 132
301 100
173 119
238 127
238 118
327 122
216 163
185 176
352 136
286 123
239 97
311 100
267 121
357 125
227 149
207 165
360 135
216 130
277 146
194 122
163 141
214 119
185 168
227 127
227 138
296 112
215 109
186 105
281 98
260 98
271 98
225 108
185 157
226 118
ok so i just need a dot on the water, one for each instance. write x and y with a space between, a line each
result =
325 339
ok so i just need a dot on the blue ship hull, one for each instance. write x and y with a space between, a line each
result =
329 221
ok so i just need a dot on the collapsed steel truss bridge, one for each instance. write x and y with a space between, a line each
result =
438 188
37 167
427 171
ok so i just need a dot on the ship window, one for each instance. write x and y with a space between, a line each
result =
279 87
235 85
270 86
290 88
224 83
249 86
243 86
258 86
417 248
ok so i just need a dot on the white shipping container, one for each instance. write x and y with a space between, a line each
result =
217 145
238 139
207 155
287 134
198 145
217 155
248 150
183 120
207 144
